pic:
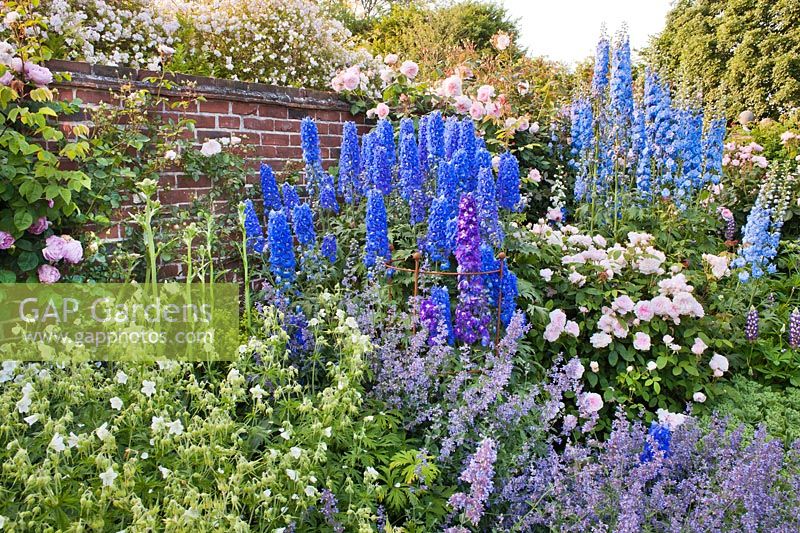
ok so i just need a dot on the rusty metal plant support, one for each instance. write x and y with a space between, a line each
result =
417 256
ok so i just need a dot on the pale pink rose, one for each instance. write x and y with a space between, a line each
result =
643 310
574 369
600 339
48 274
485 93
576 278
726 213
670 420
661 306
390 59
6 79
501 40
510 123
726 159
606 322
760 160
73 251
493 110
387 75
699 346
619 329
210 147
351 78
623 304
719 364
572 328
39 226
476 110
534 175
594 366
463 104
39 76
382 110
590 402
555 214
755 147
6 240
523 123
552 333
409 69
787 136
451 86
699 397
54 248
652 366
687 305
16 64
546 273
558 319
641 341
534 128
718 264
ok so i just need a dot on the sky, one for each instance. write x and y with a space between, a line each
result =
567 30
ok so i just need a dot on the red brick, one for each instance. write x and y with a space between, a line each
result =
181 196
230 123
112 233
260 124
244 108
187 182
287 125
171 270
214 106
334 116
89 96
273 111
276 139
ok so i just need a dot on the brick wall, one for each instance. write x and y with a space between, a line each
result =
264 116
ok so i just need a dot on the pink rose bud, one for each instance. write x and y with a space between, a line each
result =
73 251
6 240
40 226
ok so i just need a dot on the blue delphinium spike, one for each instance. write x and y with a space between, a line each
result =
381 170
329 247
269 189
437 242
377 245
508 194
290 197
303 221
349 164
486 196
252 228
282 262
435 135
452 132
601 63
385 136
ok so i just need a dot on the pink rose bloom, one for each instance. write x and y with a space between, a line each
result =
451 86
600 339
534 175
699 346
6 79
493 110
534 128
48 274
54 248
337 84
558 319
641 341
73 251
16 64
726 159
574 369
409 69
552 333
590 402
463 104
572 328
351 78
661 305
623 304
643 311
40 226
760 160
6 240
382 110
554 214
39 76
476 111
726 213
719 364
390 59
485 93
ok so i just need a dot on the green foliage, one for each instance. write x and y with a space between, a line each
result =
745 53
748 402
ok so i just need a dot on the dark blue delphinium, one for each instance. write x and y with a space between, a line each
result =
452 132
487 202
381 170
329 247
377 245
327 193
252 228
472 319
282 262
662 436
435 135
290 197
269 189
437 242
508 195
349 164
303 221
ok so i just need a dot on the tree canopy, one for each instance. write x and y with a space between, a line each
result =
744 54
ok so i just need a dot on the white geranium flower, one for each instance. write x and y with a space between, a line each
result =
295 452
156 423
57 443
102 432
31 420
116 403
292 474
257 392
122 377
148 388
72 440
175 427
108 477
165 472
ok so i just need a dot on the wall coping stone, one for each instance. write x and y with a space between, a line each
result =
86 75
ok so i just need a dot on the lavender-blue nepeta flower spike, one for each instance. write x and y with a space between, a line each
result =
349 164
377 245
303 221
281 252
472 318
479 474
329 510
508 195
269 189
252 228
